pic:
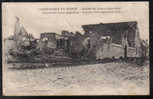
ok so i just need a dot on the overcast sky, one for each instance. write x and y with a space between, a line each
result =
35 22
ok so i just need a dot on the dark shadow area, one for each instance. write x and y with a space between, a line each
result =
72 63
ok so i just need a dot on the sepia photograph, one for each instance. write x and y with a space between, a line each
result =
75 48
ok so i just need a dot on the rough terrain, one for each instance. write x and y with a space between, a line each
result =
101 79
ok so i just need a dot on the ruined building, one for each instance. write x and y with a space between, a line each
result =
21 36
99 41
109 39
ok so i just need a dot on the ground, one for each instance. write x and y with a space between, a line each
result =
101 79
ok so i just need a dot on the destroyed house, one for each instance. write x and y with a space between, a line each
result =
54 40
113 39
49 38
115 30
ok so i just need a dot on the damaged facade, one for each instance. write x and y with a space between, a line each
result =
67 43
99 41
110 39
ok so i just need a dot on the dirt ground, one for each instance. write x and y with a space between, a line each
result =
96 79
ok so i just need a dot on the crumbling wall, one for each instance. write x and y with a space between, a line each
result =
52 43
76 46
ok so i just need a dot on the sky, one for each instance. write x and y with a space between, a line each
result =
35 22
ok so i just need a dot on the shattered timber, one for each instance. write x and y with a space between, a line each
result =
104 42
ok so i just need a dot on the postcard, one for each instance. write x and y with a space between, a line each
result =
75 48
